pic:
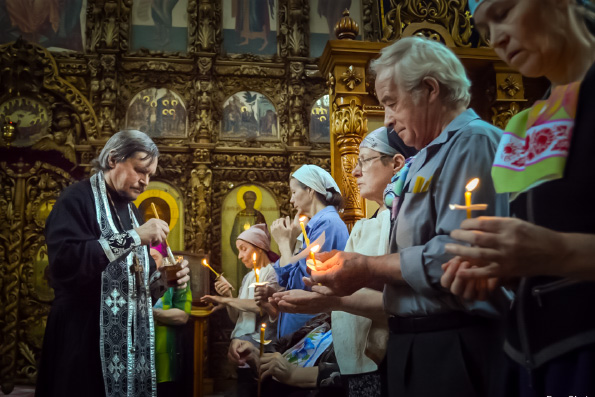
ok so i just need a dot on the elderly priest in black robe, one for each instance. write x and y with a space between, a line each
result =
99 338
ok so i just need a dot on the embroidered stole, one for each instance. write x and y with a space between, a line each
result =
127 334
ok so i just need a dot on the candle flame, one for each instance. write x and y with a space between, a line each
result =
472 184
315 248
204 263
303 218
263 325
254 257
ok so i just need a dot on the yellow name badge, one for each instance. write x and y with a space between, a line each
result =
421 185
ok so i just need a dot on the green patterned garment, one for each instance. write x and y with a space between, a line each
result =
166 354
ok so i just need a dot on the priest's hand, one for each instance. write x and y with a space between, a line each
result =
183 275
153 232
341 273
305 302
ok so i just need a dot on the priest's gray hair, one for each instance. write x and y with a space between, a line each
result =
121 146
411 59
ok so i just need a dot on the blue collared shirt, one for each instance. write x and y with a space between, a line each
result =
464 150
290 276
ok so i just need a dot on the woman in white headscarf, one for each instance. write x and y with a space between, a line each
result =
315 194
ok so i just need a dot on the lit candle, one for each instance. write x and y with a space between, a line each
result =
256 270
257 274
470 186
262 329
205 264
312 257
302 219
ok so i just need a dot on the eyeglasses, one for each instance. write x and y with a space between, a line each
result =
361 162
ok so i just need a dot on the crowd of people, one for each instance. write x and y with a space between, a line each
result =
418 300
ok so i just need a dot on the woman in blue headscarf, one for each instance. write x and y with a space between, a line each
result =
314 194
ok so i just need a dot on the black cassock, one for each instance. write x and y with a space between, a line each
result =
71 360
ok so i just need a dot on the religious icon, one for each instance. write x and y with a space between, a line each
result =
249 26
324 15
320 124
158 112
56 25
244 219
243 207
169 206
249 115
160 25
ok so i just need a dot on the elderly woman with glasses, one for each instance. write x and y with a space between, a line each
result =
544 162
438 344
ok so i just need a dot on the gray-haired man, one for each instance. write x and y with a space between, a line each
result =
99 336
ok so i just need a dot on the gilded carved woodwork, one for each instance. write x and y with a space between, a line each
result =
446 20
22 318
294 28
348 127
30 71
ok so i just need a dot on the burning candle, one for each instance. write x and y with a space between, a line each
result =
302 220
312 257
256 269
471 185
262 329
205 264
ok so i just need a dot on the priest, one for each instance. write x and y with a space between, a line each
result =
99 338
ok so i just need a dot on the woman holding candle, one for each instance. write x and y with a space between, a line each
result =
359 325
550 338
315 194
243 310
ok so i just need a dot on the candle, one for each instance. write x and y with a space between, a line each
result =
312 257
262 329
205 264
256 269
170 254
302 219
471 185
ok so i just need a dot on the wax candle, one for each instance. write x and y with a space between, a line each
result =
471 185
311 263
262 329
302 220
206 264
256 270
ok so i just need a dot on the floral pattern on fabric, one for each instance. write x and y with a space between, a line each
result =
308 350
536 143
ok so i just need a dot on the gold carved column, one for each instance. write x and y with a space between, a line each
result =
510 94
344 62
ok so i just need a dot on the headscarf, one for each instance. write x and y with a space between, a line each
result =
258 235
377 140
317 179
